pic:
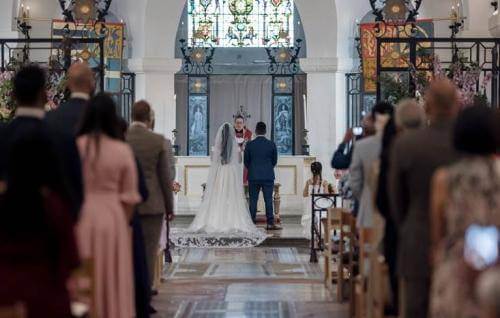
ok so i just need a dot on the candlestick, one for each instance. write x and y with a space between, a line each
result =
306 117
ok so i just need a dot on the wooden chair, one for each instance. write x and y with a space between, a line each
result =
379 280
344 223
85 289
158 273
15 311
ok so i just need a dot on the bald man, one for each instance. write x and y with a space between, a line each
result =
415 156
63 123
81 84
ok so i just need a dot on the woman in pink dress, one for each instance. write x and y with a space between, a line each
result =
103 233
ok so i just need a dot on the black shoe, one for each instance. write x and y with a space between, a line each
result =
274 227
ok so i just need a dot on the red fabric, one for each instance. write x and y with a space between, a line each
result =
246 134
34 270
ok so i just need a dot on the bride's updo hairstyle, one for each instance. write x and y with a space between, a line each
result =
226 144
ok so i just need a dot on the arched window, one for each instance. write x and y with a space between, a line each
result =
241 23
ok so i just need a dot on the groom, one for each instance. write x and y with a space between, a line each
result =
261 156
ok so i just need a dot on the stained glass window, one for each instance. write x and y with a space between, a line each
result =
241 23
283 114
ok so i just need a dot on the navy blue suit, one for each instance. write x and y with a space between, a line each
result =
261 156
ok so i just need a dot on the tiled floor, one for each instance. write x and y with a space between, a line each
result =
255 282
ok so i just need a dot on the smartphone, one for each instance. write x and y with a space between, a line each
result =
357 131
481 246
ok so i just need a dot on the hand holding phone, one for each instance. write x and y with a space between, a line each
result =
481 248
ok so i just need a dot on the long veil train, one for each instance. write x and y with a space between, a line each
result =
223 219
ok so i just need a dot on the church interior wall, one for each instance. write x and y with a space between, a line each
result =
329 28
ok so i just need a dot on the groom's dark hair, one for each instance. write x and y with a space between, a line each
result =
261 128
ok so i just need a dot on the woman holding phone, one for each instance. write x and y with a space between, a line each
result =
464 195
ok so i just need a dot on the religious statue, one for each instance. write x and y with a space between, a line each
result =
197 126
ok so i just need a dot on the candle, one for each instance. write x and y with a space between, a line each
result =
306 119
175 111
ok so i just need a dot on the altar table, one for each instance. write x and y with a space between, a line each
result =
291 173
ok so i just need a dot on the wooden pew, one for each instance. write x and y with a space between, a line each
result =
342 221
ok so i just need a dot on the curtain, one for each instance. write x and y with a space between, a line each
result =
228 93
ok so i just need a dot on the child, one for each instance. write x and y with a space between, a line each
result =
317 185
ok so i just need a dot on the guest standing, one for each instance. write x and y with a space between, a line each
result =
141 276
30 95
110 178
154 153
63 122
409 115
464 194
414 158
37 244
81 84
366 153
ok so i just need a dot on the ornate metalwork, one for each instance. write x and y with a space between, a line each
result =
284 60
391 11
85 10
197 60
320 203
396 12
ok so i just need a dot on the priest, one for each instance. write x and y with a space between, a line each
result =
243 135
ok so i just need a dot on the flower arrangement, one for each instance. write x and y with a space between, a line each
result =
466 77
176 187
464 74
7 105
55 93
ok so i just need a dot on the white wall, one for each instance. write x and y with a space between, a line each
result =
329 29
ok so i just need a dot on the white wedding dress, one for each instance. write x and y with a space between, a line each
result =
223 219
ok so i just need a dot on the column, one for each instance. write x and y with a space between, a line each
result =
155 78
326 105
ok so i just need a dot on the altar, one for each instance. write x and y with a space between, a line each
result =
291 173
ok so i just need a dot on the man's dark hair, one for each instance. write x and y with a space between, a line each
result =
261 128
29 83
476 131
383 107
239 117
141 111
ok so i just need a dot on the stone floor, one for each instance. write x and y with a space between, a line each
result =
269 281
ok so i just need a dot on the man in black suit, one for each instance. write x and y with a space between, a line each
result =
81 84
64 121
261 156
30 95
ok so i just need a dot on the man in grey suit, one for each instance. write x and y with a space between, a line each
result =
366 153
154 153
415 156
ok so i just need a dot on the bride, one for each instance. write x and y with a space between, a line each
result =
223 219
